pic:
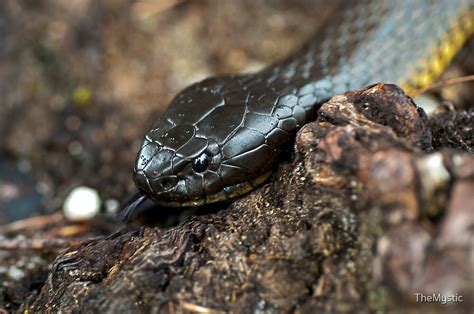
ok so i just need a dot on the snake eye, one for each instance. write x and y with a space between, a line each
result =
201 163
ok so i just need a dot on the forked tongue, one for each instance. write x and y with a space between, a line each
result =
132 205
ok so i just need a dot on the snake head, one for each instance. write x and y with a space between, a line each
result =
174 163
210 145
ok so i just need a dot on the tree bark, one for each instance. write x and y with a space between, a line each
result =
363 216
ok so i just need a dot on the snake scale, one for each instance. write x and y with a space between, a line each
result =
221 137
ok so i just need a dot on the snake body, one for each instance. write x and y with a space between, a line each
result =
221 137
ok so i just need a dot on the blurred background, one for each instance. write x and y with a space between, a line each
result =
82 80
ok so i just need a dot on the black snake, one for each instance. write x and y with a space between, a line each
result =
221 137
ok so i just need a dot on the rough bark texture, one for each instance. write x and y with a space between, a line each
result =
363 217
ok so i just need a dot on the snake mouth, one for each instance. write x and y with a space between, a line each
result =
228 193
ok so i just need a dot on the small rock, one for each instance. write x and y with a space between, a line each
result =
112 206
82 203
430 104
15 273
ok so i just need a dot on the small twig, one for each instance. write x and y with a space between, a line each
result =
53 244
32 223
197 308
438 85
145 8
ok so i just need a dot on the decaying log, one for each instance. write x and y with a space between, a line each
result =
363 216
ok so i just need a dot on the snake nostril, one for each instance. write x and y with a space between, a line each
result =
168 183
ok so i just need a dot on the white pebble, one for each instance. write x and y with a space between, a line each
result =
429 103
112 206
82 203
433 173
15 273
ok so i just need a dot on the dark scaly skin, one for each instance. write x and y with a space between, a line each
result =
237 125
